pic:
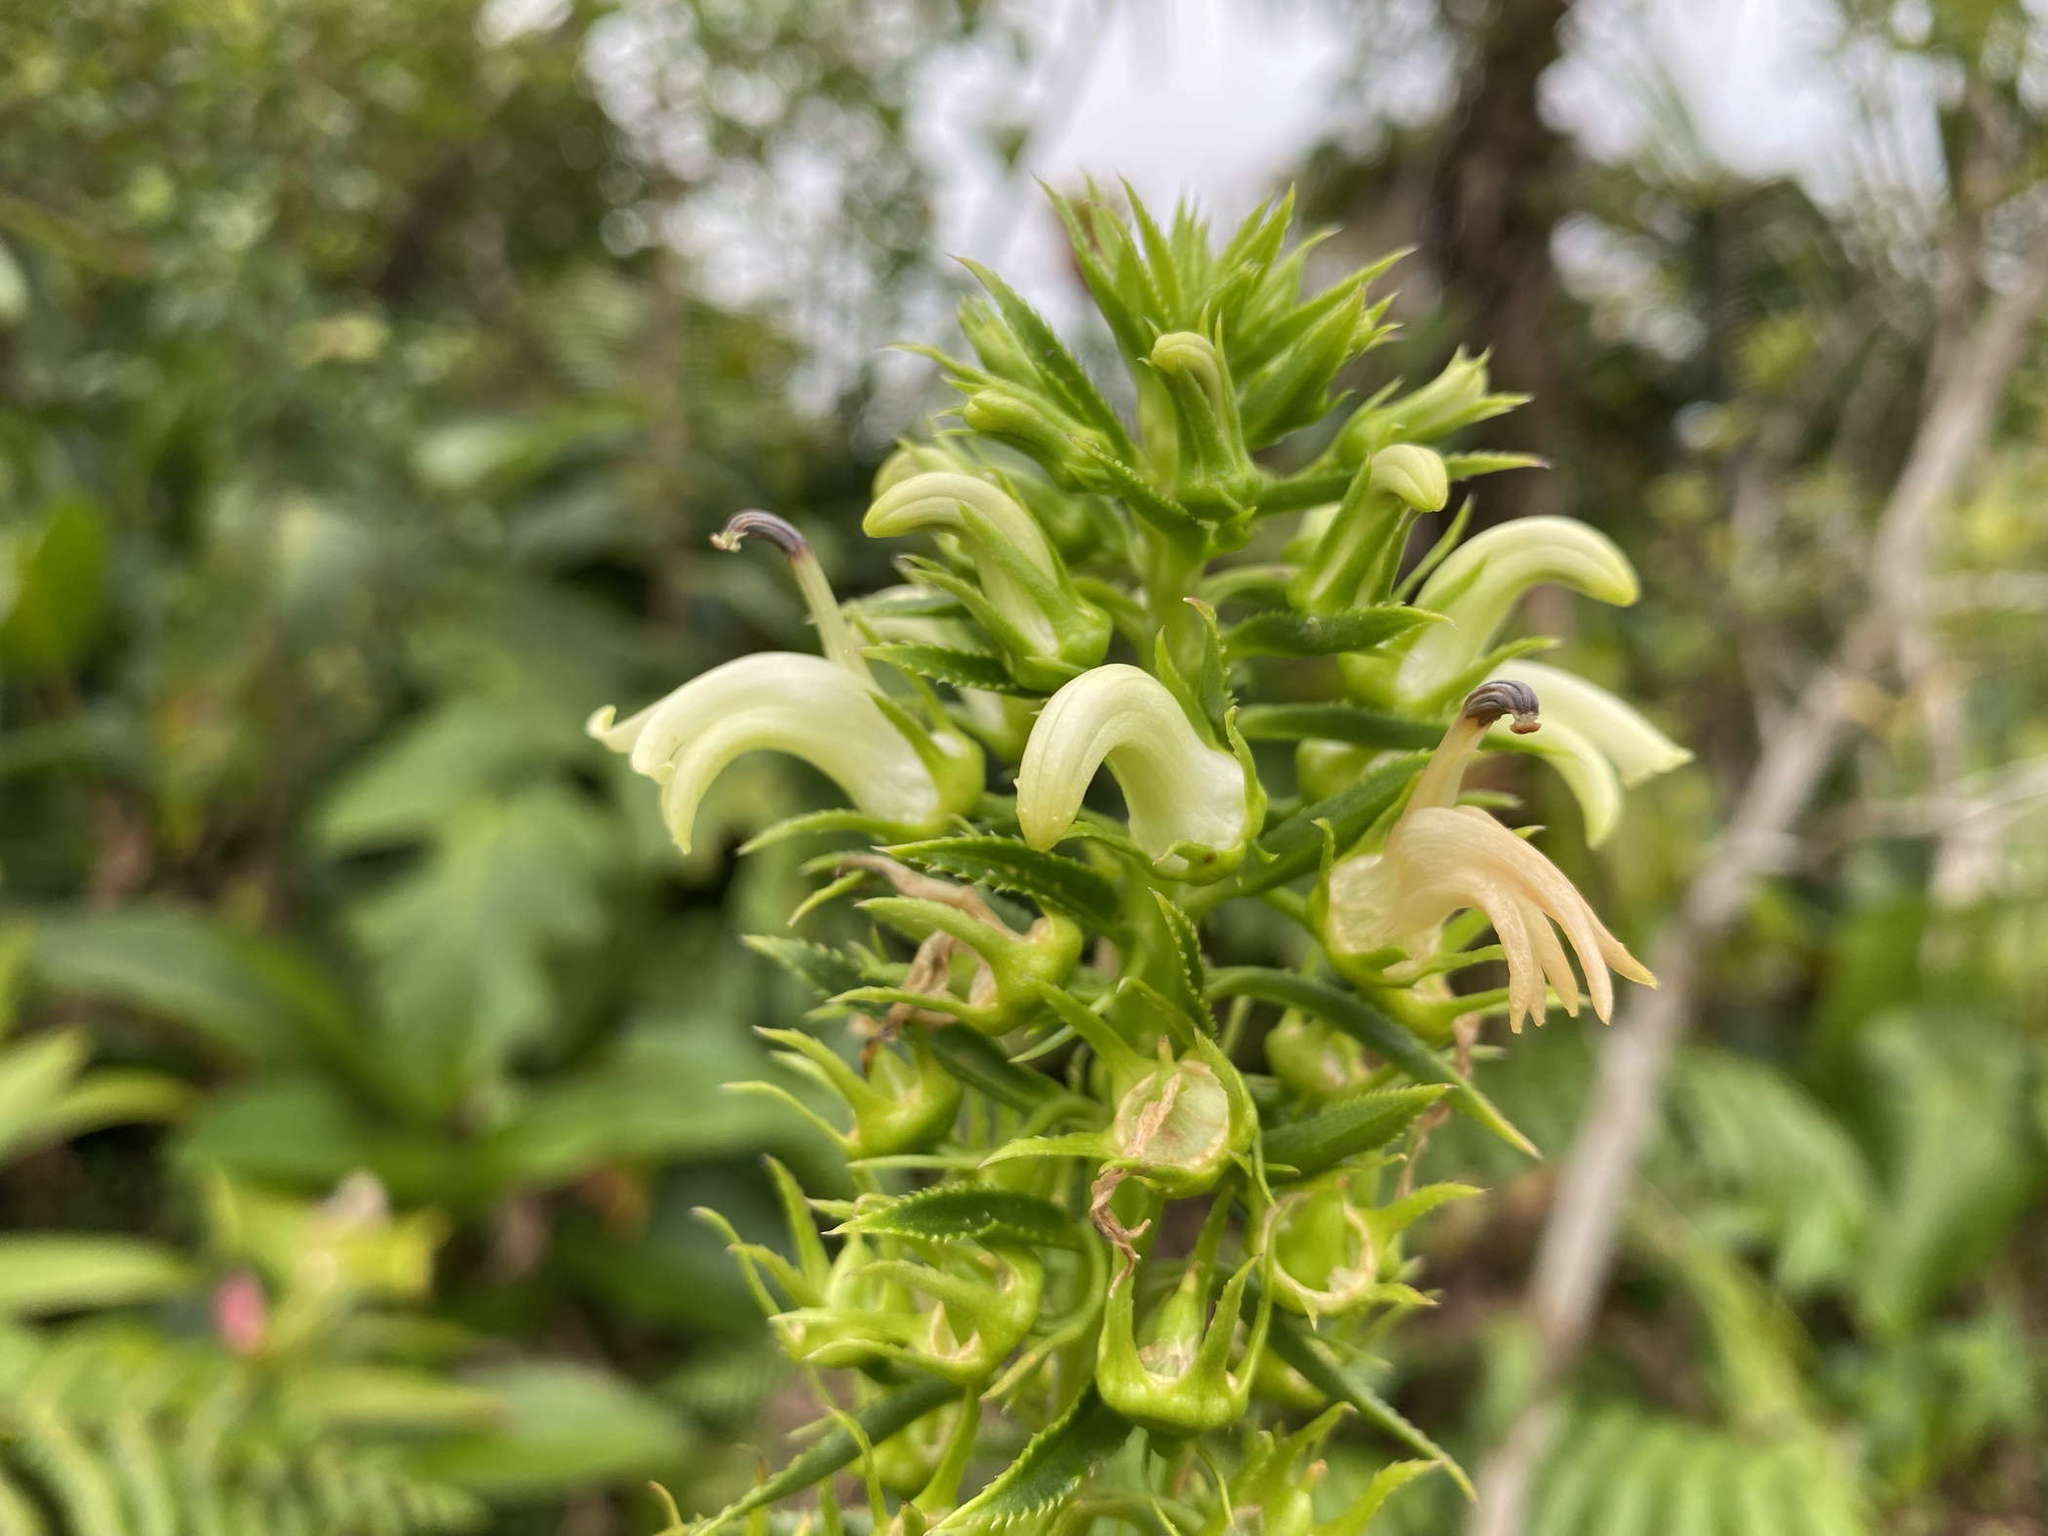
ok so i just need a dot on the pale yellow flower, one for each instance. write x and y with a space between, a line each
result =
1383 912
827 712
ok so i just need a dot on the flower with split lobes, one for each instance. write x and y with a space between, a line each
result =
826 710
1381 914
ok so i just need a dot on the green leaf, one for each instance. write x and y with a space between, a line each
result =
107 1098
1052 880
52 588
1282 632
1371 1028
955 1213
33 1075
837 1448
42 1272
1335 722
427 770
656 1096
560 1427
827 970
462 943
1190 972
944 664
1140 495
909 602
870 829
1048 1472
1049 355
1463 466
254 997
1386 1482
1296 1345
389 1397
1356 1125
980 1064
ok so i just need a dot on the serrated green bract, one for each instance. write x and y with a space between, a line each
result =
1284 633
1010 864
951 1213
1049 1471
945 664
1306 1147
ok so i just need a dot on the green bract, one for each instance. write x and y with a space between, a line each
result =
1081 1198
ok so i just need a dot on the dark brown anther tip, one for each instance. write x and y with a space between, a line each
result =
1489 701
778 531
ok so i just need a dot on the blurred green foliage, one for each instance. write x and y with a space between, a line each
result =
355 441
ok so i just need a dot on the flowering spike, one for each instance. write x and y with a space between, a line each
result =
1057 1080
806 706
1187 800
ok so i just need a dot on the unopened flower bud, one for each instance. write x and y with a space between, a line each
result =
1212 467
1361 543
1455 398
1034 425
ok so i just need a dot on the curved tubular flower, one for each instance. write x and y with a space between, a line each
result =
1031 607
1484 578
808 707
1440 858
1208 438
1190 804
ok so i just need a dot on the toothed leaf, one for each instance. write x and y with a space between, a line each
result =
1283 632
1009 864
1372 1029
1344 1130
1048 1473
959 1213
944 664
826 970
